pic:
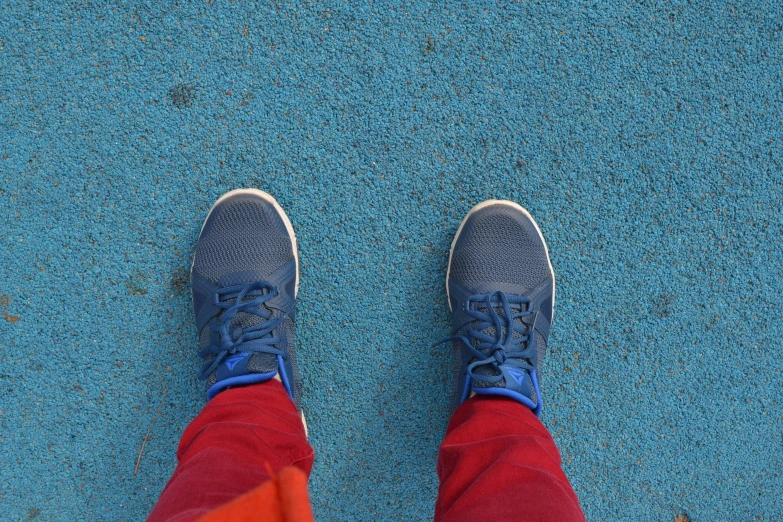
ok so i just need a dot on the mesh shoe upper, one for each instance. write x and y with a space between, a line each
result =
499 244
242 233
244 293
501 291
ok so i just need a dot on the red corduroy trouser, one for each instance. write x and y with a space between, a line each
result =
246 457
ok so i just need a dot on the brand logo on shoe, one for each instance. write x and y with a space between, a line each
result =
235 359
517 376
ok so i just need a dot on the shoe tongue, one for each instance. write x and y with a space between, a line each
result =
242 363
262 363
519 381
258 362
514 379
246 320
490 371
492 330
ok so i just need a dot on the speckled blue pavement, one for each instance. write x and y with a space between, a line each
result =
645 138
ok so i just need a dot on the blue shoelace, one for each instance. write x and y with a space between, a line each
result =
504 347
256 338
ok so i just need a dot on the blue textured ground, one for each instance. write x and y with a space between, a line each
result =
645 138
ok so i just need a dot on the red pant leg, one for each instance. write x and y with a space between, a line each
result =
229 449
498 462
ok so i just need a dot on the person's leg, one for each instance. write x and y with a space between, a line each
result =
497 461
231 447
245 277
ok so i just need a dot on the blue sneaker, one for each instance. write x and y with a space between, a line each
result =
501 290
245 277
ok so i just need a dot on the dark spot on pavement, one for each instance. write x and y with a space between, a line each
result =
664 304
179 281
246 99
429 46
137 283
182 95
10 318
33 513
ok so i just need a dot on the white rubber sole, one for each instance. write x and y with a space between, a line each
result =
515 206
269 199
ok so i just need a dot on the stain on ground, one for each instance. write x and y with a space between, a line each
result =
137 283
182 95
429 46
5 302
179 281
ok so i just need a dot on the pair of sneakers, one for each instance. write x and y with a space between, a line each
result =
245 278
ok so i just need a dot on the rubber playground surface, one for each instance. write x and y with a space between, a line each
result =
645 138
